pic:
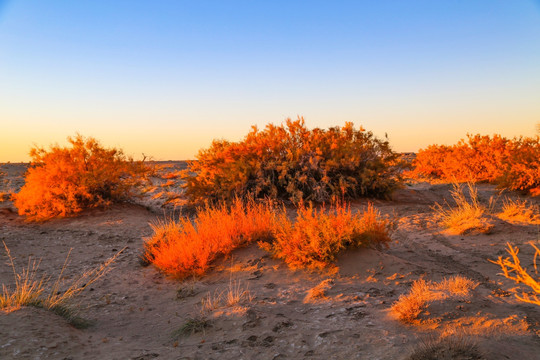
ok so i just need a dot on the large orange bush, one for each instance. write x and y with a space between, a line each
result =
294 163
511 163
62 181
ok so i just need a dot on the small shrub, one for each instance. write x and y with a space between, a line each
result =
193 325
519 211
468 215
319 291
513 270
235 294
408 307
185 248
293 163
31 290
447 348
63 181
315 239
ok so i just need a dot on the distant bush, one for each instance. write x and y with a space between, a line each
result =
63 181
513 164
316 237
293 163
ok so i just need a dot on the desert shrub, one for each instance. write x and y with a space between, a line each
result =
469 215
33 290
63 181
319 292
447 348
510 163
409 306
513 270
317 236
519 211
522 166
293 163
187 247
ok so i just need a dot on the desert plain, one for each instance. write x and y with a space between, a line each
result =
136 312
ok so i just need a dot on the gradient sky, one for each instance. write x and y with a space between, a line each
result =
167 77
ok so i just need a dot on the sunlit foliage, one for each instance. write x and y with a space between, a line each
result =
409 306
511 163
63 181
317 236
187 247
294 163
469 215
513 270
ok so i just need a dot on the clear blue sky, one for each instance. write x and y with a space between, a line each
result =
167 77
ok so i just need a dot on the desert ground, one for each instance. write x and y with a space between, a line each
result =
135 312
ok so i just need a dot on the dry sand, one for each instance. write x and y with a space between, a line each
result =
135 310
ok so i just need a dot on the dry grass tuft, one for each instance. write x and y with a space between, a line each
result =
319 291
408 307
32 290
234 295
187 247
317 236
193 325
519 212
513 270
468 215
447 348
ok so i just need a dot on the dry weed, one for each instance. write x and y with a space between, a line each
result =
32 290
468 215
234 295
519 212
408 307
447 348
319 291
513 270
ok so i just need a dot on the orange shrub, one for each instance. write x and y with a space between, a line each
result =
316 237
293 163
514 164
184 247
65 180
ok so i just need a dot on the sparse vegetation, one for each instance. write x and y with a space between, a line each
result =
293 163
469 215
512 164
65 180
31 290
513 270
408 307
193 325
185 248
234 295
519 212
319 292
317 236
447 348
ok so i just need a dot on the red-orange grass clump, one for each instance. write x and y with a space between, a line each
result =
63 181
317 236
187 247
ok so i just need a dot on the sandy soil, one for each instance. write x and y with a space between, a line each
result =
136 311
